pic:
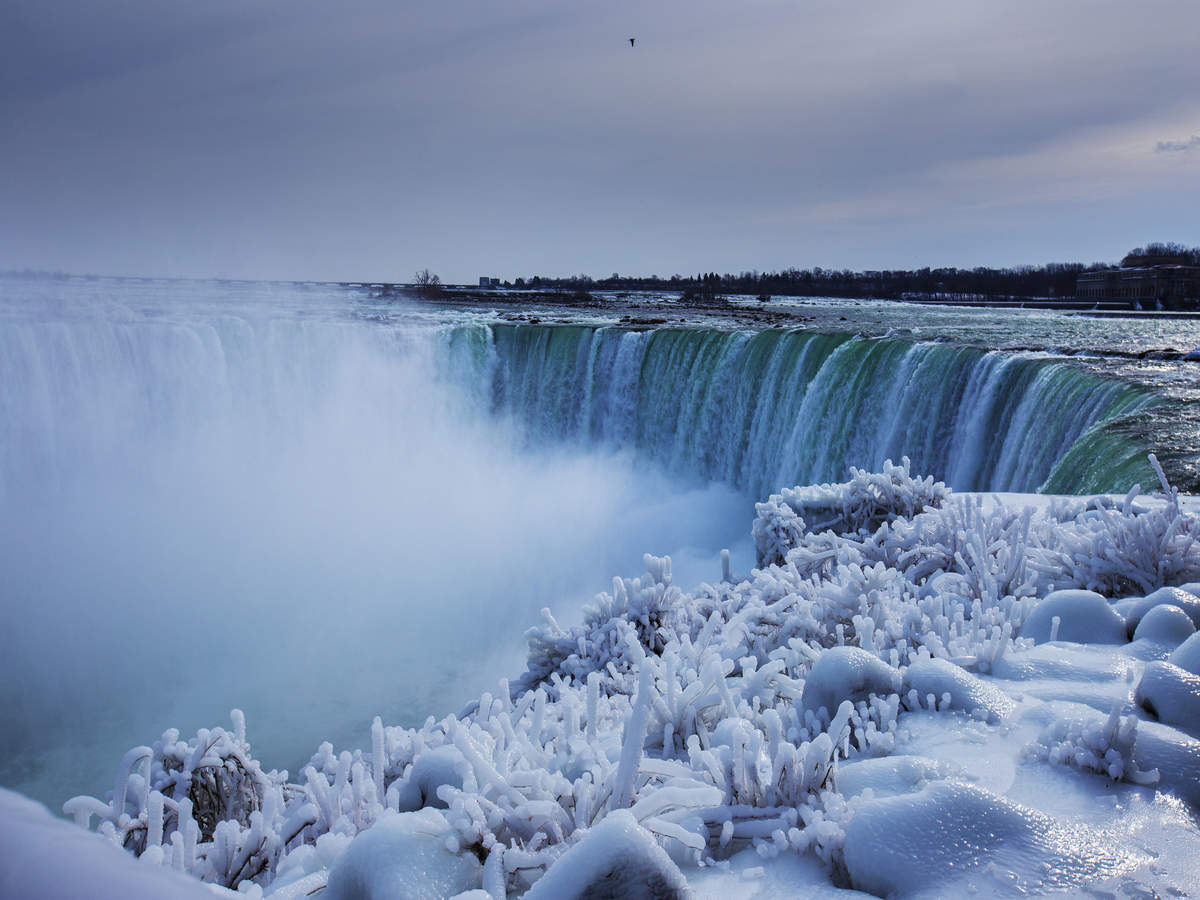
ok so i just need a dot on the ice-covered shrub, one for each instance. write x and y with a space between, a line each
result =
863 503
1104 746
715 720
1123 552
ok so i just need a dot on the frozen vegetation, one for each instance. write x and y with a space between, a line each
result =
913 693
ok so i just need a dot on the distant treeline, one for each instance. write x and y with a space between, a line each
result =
980 283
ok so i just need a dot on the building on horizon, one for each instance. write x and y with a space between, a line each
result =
1151 282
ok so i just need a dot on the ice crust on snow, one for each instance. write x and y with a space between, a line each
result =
758 714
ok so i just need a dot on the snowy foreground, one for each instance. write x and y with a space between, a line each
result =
915 694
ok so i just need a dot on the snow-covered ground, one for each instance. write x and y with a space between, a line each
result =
915 693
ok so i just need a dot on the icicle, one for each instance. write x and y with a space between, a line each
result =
378 759
239 725
154 820
631 747
593 702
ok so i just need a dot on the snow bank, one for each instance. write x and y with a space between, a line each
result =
50 859
747 716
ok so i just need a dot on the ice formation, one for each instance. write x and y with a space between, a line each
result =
677 730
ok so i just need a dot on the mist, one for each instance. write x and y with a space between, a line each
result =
291 514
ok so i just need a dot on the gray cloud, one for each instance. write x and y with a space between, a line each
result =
1191 143
297 138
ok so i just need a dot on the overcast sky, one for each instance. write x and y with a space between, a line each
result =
365 139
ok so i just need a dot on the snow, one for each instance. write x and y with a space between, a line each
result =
51 859
956 688
1172 695
1164 624
847 673
404 856
954 833
1083 617
938 699
617 858
1164 596
1187 655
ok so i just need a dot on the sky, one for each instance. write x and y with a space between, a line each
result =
366 139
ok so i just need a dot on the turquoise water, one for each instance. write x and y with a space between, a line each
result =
771 409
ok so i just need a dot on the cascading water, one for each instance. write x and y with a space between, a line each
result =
771 409
266 496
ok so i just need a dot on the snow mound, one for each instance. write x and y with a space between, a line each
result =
957 688
617 858
954 831
847 673
1164 596
1084 617
1164 624
403 857
1187 655
1171 695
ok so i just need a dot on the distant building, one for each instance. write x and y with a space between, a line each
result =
486 282
1156 284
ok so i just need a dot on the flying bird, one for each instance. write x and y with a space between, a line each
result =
631 40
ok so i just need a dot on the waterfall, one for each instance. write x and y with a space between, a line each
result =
771 409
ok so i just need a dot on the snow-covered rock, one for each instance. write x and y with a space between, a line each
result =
1164 596
847 673
965 691
1187 655
403 857
1171 695
1164 624
617 858
931 839
1084 617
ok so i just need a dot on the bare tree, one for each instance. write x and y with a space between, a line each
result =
427 283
